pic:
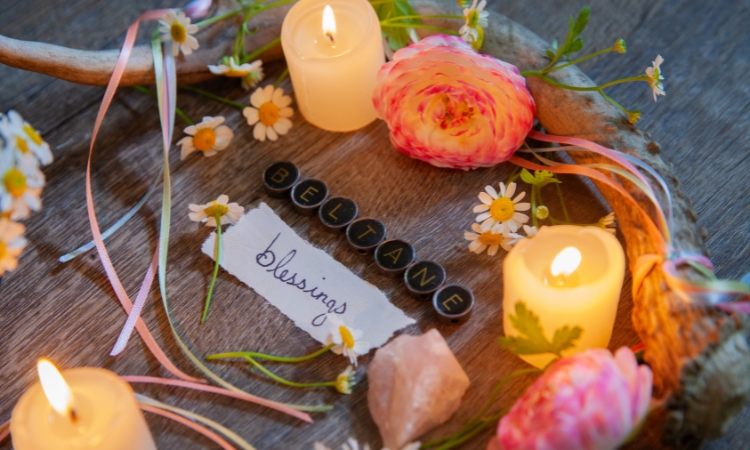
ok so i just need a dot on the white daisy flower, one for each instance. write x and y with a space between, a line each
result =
475 17
20 187
608 223
207 137
655 76
229 212
502 209
489 240
12 244
345 380
24 140
515 238
251 73
270 114
175 26
347 341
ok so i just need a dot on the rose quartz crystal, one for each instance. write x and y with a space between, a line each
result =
415 385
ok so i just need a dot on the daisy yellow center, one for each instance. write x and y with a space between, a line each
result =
473 18
269 113
178 32
205 139
15 182
235 73
3 250
216 209
502 209
346 337
22 145
31 132
489 238
342 381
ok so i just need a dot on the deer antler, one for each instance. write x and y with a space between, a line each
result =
95 67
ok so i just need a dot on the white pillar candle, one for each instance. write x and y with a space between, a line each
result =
333 69
99 413
585 295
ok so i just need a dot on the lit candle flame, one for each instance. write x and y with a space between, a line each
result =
566 262
55 388
329 23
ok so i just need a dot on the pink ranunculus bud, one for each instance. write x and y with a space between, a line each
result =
588 401
197 9
447 105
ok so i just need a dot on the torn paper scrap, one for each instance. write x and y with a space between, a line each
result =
304 282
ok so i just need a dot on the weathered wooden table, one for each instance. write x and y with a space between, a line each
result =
68 312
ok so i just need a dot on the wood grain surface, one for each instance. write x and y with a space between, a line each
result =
68 311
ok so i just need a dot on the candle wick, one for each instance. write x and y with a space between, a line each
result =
73 415
330 36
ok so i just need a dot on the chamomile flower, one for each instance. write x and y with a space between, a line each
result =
269 114
229 212
607 223
24 140
20 187
476 18
207 137
502 209
345 380
489 240
654 75
12 244
251 73
175 26
347 341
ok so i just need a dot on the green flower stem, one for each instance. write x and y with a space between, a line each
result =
579 60
611 100
211 20
549 80
256 53
427 16
216 268
282 77
419 25
278 379
226 101
562 202
177 111
293 359
534 220
478 422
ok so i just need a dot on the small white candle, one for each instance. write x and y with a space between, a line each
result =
566 275
83 408
334 49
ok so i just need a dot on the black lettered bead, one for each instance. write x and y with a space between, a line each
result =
308 195
423 278
365 234
337 213
279 178
394 256
453 303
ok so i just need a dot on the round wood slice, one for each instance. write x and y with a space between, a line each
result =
699 354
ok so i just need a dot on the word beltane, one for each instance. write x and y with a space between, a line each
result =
424 279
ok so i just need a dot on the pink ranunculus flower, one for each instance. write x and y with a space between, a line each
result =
447 105
588 401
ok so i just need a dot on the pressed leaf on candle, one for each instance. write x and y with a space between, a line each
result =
531 339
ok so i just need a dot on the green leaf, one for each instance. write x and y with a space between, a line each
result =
540 178
575 46
582 20
550 54
397 37
554 44
531 339
527 177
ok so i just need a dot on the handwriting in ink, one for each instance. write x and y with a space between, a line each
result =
268 258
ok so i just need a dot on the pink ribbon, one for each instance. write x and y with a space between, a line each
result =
217 390
189 423
122 296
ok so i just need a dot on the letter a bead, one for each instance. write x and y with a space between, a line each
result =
394 256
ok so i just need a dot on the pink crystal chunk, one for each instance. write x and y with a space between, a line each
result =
415 385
